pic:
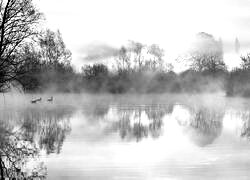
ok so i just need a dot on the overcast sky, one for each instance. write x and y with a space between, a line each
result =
170 23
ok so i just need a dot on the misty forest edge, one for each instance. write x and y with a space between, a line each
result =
37 60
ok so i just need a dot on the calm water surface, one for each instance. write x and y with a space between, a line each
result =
127 137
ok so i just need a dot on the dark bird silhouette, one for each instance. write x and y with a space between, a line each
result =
50 99
40 99
35 100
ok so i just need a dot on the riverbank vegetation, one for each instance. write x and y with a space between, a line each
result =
136 68
37 60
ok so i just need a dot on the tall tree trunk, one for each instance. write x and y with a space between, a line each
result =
1 169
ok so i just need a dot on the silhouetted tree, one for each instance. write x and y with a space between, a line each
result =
53 49
47 64
18 19
32 66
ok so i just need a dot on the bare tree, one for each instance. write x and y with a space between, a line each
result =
137 49
18 21
156 61
245 64
207 54
123 60
53 48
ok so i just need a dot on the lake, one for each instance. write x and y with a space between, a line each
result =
125 137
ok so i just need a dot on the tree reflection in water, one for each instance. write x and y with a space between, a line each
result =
155 116
245 131
15 151
24 133
140 121
204 125
50 125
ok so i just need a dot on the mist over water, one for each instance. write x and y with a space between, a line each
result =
139 90
82 136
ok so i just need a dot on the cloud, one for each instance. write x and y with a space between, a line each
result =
98 51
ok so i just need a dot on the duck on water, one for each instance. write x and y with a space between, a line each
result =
36 100
50 99
40 99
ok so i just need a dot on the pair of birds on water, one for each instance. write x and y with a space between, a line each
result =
40 99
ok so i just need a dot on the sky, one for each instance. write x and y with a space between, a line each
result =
172 24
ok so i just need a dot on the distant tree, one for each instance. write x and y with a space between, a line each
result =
207 54
156 60
245 64
95 76
18 20
137 48
95 70
124 59
53 49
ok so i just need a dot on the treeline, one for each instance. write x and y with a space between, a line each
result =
31 58
97 78
238 80
136 68
141 68
37 61
46 65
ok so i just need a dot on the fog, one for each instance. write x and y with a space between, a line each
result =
161 132
136 90
98 51
211 100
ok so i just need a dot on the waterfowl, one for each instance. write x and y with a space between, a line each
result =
50 99
35 100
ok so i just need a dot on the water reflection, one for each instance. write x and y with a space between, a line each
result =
203 125
49 125
135 122
109 140
155 116
15 151
245 116
25 132
138 122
